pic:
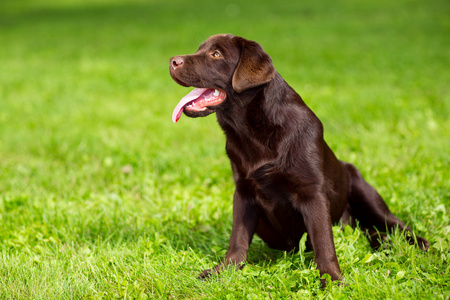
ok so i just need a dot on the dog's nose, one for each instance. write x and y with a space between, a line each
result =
176 62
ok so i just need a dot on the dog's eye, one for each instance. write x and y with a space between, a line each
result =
216 54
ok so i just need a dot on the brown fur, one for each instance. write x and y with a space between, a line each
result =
288 181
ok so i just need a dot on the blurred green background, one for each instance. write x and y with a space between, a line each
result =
101 195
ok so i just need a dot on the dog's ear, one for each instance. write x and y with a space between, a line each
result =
254 67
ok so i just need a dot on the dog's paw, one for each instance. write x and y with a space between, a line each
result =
422 243
205 274
226 263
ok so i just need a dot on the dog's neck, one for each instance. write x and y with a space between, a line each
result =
254 118
258 105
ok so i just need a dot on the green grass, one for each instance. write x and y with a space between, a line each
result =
102 196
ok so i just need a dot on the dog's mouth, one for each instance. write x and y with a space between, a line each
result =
198 100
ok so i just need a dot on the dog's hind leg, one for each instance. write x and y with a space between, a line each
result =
374 217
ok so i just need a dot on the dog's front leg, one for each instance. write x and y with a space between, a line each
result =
316 215
245 220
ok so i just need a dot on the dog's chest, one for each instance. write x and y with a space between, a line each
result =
248 154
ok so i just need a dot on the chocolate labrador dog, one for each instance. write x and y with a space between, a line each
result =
287 179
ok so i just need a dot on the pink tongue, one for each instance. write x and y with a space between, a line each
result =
194 94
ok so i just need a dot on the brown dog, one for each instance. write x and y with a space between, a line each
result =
287 179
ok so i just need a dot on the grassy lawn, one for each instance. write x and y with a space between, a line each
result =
102 196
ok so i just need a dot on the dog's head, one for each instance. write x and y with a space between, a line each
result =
222 66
